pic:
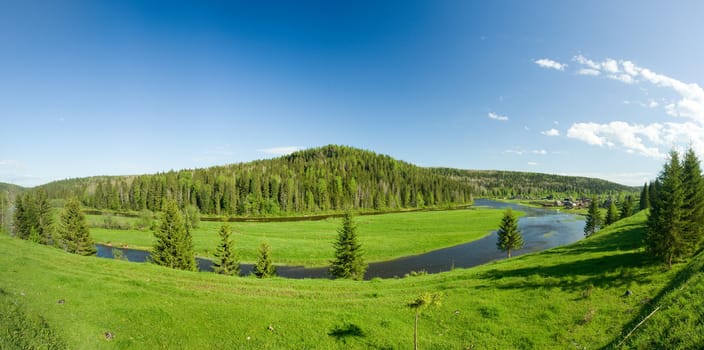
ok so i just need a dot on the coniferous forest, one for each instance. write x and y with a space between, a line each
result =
318 180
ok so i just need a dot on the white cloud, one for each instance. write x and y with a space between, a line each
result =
651 140
586 62
610 65
588 71
532 163
624 78
618 134
521 152
551 132
280 151
548 63
495 116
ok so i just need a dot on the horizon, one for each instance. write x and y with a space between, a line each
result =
596 89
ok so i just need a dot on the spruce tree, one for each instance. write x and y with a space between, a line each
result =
264 267
349 261
645 197
611 214
693 204
174 245
509 235
665 238
225 259
593 222
73 230
21 219
627 207
43 217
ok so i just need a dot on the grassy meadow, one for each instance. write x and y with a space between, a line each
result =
309 243
567 297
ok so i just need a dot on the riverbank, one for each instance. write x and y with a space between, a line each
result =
309 243
541 229
566 297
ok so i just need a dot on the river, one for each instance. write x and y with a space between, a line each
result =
541 228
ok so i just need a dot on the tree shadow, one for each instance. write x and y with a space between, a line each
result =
347 330
625 237
678 282
611 270
620 268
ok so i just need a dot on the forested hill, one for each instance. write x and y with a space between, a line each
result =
10 188
329 178
495 183
318 180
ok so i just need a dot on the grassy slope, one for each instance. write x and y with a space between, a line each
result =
568 297
679 323
309 243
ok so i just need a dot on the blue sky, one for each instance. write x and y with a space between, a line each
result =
597 88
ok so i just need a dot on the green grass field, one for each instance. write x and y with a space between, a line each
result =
565 298
309 243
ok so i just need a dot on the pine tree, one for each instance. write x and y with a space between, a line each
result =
693 208
627 207
73 230
43 217
174 245
225 259
611 214
645 197
509 235
593 222
21 219
349 261
665 237
264 267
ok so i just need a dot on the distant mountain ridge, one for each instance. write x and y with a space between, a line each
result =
317 180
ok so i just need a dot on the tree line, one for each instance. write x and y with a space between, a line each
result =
509 184
330 178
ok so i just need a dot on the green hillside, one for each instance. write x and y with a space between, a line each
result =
499 183
567 297
318 180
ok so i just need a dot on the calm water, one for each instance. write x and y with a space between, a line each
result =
541 228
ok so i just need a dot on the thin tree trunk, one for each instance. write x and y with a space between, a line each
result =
508 253
415 333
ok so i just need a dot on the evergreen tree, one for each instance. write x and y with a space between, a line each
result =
174 245
349 261
693 208
627 207
665 237
611 213
264 267
21 217
645 197
43 217
593 222
509 235
225 259
73 230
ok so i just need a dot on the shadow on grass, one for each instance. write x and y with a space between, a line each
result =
678 282
625 237
621 268
347 330
605 271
